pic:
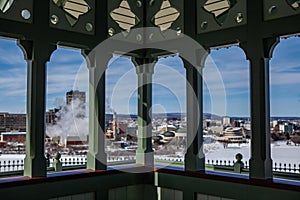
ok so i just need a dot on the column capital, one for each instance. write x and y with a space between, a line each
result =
144 65
36 49
197 61
37 55
188 66
94 57
259 48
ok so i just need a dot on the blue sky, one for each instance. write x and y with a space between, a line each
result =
226 81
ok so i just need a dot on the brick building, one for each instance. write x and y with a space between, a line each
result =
9 122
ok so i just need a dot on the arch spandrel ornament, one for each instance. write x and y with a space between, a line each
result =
73 15
162 15
275 9
17 10
124 17
213 15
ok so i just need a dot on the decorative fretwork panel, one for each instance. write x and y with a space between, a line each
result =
17 10
5 5
125 15
274 9
73 15
58 20
220 14
166 16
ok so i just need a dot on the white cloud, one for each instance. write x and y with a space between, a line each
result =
12 56
67 55
13 82
231 80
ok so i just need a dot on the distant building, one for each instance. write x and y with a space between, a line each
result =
115 125
10 122
206 123
73 140
75 94
233 131
286 128
236 123
51 116
122 128
166 127
274 123
226 120
132 131
19 137
180 133
232 135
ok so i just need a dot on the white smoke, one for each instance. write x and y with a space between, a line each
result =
71 120
59 103
108 108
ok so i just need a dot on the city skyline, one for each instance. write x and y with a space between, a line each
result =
67 70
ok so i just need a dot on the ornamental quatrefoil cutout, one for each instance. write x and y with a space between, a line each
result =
5 5
165 17
219 8
295 4
124 17
73 9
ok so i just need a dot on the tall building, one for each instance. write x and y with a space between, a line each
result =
51 116
115 125
75 94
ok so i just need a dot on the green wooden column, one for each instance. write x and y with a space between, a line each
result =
96 157
259 52
260 162
194 157
37 54
144 70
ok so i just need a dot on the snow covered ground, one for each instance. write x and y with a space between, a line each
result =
280 152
